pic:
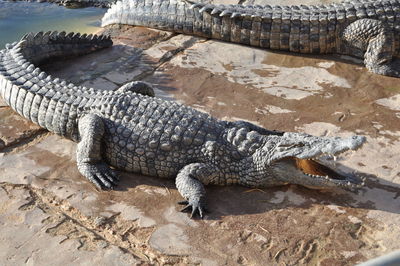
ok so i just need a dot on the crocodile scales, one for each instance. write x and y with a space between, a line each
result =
134 131
361 28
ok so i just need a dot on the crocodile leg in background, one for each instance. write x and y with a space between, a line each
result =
379 42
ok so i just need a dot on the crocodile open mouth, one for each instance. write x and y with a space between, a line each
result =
313 168
322 174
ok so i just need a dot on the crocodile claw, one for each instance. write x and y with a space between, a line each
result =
391 69
99 174
195 206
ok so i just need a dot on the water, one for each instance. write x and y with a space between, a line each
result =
18 18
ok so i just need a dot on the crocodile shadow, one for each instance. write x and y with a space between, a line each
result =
356 59
377 194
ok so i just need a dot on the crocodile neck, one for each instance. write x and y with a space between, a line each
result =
51 103
302 29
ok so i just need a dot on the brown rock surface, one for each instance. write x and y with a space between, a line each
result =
14 129
48 212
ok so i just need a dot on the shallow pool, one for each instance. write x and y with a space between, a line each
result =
18 18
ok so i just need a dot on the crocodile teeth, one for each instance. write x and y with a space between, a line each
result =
315 176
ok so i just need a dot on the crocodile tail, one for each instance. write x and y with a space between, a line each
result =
42 46
184 16
304 29
50 102
171 15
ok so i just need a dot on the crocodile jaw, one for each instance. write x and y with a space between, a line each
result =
304 146
295 160
313 174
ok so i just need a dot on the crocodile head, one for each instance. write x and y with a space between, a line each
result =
293 158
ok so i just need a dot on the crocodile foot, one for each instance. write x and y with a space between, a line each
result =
194 206
391 69
99 174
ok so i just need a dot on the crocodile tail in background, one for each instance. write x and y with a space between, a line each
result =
361 28
303 29
52 103
39 47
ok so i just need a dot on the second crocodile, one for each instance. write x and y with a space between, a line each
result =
362 28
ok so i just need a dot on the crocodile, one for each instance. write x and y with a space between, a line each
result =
131 130
368 29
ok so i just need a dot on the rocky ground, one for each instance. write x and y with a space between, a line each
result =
49 214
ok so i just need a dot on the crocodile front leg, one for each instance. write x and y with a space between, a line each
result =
374 37
89 160
140 87
189 183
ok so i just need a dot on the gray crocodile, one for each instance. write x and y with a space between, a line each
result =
366 29
131 130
